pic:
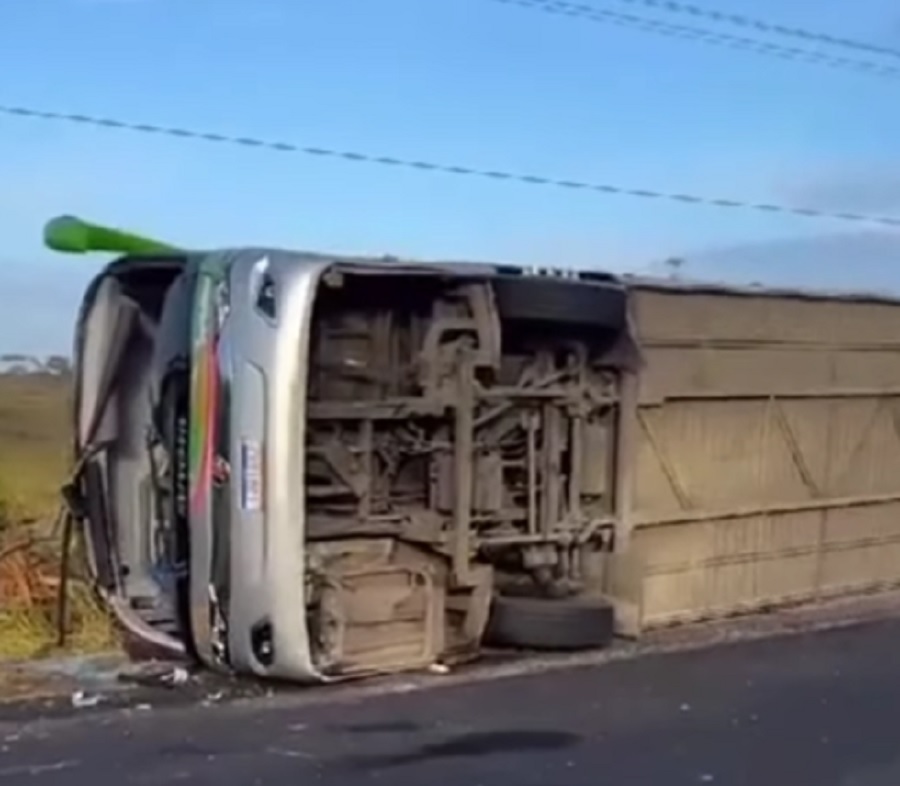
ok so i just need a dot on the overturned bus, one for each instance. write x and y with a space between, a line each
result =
312 468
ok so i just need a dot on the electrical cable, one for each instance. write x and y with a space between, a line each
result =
590 13
429 166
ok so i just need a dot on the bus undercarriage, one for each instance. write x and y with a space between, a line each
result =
461 442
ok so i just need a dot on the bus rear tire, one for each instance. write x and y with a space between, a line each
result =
568 624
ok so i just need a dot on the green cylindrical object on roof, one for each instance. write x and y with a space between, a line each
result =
72 235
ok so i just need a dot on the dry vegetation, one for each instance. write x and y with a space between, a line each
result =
34 455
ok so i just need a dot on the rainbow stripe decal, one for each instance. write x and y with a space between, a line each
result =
205 384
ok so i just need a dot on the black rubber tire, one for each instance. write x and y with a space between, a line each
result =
550 624
561 301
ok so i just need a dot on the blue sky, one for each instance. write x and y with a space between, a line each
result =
461 81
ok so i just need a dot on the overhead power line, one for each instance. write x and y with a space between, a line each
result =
429 166
764 26
703 35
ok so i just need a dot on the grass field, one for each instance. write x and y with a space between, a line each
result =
35 449
35 439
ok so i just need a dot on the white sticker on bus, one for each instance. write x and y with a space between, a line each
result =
251 475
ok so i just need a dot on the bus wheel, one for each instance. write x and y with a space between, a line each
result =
550 623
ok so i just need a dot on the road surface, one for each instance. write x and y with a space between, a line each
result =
814 710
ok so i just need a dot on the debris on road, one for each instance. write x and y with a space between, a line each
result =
83 700
178 676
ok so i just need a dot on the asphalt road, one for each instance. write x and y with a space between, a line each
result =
816 710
